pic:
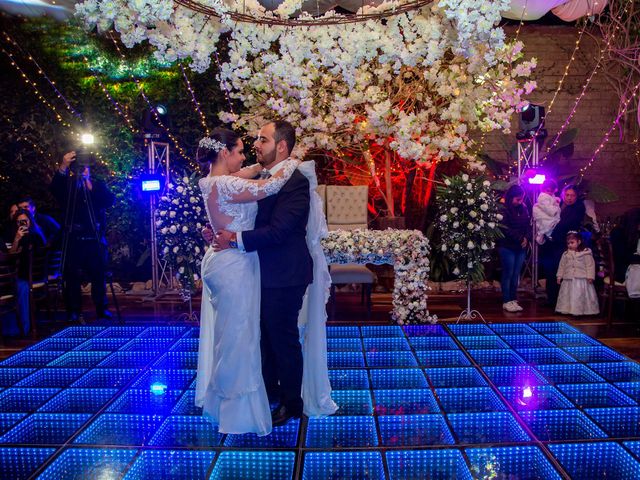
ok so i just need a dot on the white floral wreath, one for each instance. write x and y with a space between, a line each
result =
211 144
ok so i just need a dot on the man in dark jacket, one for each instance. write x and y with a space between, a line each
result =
84 200
571 218
286 270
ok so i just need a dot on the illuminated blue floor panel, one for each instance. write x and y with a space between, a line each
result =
596 461
414 430
511 462
432 464
171 465
506 401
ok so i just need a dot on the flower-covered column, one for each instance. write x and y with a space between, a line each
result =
406 250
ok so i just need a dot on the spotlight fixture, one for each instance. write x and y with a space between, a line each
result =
156 121
531 122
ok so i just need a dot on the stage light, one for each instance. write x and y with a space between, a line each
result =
531 122
527 392
87 139
151 183
161 109
158 388
537 179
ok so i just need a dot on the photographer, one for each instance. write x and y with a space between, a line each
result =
27 237
84 200
47 224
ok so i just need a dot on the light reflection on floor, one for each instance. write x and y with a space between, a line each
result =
517 401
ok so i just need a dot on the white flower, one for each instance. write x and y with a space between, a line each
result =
470 245
175 249
443 247
469 186
473 214
484 207
172 214
454 210
491 225
499 217
164 230
486 183
165 250
456 224
456 271
443 218
465 177
470 226
469 265
185 229
447 182
456 247
163 213
180 189
173 229
470 201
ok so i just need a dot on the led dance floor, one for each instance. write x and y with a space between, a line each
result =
516 401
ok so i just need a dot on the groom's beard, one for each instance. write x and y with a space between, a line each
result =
267 159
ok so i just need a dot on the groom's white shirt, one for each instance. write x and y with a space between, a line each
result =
272 171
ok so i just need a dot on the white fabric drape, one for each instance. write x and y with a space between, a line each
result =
316 388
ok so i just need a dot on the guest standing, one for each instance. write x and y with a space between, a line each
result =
576 273
516 228
571 217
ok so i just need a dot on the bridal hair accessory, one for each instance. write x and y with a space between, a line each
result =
572 231
211 144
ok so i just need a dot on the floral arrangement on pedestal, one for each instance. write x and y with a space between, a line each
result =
406 250
180 217
468 220
417 83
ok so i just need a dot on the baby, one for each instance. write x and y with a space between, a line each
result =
546 211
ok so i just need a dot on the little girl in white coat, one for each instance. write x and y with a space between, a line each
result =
576 274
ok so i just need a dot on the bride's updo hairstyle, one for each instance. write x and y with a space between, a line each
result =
209 147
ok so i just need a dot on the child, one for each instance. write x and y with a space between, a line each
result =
575 275
546 211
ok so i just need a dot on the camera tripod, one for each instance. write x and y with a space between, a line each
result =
76 185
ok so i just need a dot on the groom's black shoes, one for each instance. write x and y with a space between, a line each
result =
282 415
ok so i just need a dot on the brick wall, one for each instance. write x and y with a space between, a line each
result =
616 166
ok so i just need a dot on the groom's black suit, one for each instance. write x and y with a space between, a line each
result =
286 270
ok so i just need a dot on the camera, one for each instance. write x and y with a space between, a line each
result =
84 157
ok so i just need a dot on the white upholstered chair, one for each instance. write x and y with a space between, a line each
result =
346 209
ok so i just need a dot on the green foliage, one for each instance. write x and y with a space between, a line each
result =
32 140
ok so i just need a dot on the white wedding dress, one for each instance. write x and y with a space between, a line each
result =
229 384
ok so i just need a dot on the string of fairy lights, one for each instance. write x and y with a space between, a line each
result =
117 107
114 103
607 135
122 111
583 91
196 105
153 110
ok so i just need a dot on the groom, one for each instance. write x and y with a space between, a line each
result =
286 269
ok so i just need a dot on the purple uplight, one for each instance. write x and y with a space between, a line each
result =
537 179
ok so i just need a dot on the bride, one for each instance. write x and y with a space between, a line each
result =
229 385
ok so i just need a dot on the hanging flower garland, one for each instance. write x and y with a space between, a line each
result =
406 250
468 220
180 217
419 83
